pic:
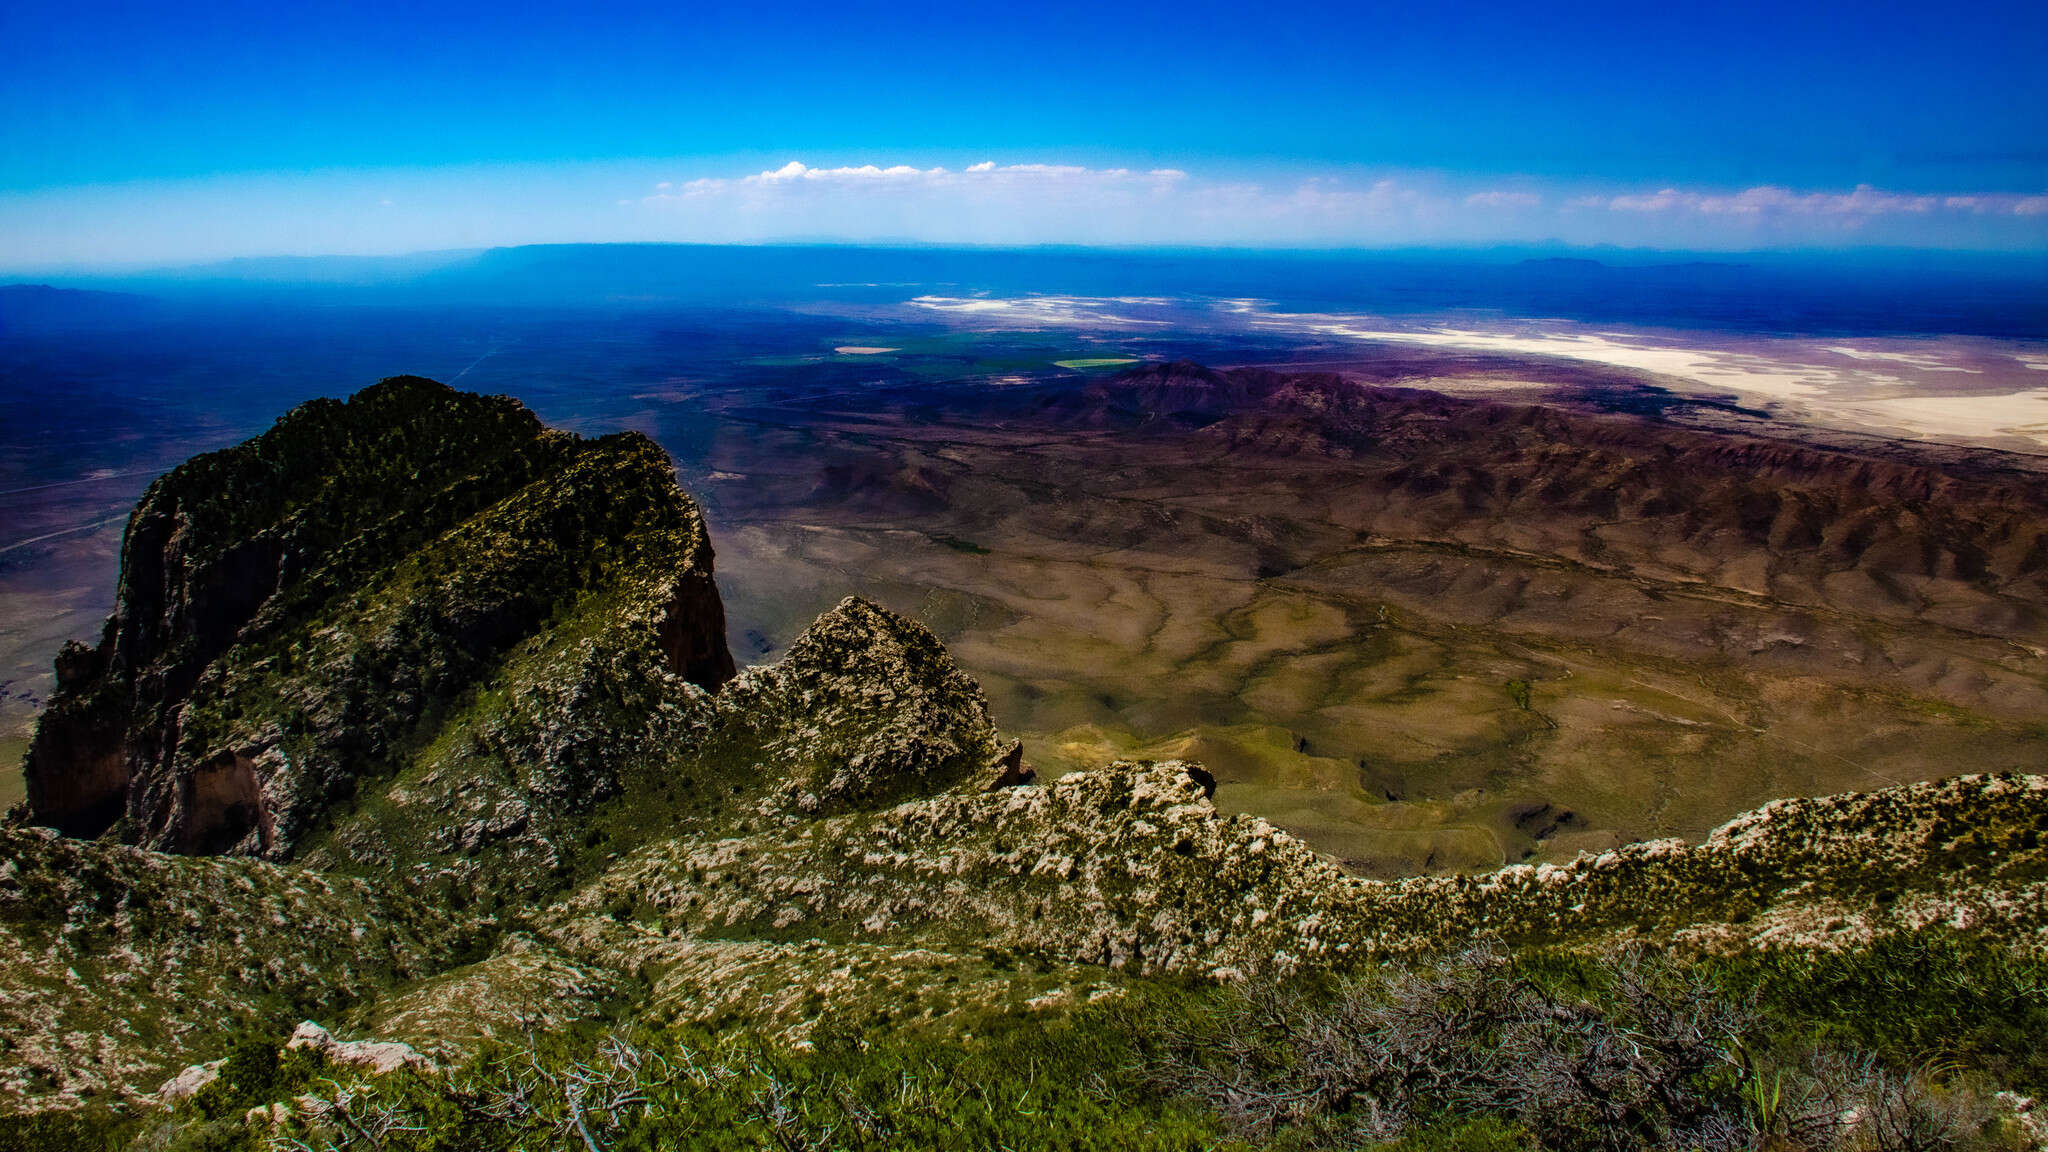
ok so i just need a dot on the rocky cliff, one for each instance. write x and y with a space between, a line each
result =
302 616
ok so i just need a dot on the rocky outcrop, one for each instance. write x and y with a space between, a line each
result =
1818 872
296 614
1010 770
866 709
302 509
377 1056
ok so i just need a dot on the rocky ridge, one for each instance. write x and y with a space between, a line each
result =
580 815
1124 871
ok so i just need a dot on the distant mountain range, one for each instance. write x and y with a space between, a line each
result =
1866 293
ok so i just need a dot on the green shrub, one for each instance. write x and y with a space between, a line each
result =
1465 1134
85 1130
257 1072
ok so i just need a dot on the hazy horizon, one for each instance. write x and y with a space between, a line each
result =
316 268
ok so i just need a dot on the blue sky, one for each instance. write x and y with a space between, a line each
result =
168 132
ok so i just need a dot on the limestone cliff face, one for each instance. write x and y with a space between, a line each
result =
297 614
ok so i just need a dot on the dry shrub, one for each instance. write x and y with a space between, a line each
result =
1469 1035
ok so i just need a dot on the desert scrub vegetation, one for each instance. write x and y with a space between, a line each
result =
1477 1051
1636 1061
1013 1082
117 973
1487 1049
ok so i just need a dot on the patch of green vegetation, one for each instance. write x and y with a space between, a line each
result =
91 1129
1518 691
1935 995
1457 1133
257 1073
1004 1082
1088 362
959 545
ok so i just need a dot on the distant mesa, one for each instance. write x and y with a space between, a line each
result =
28 307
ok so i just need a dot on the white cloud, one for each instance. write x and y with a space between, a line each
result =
796 170
908 179
989 201
1766 199
1036 201
987 173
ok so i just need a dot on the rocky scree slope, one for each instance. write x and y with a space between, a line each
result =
511 715
119 965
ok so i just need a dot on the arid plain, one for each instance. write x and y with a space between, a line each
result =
1427 632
